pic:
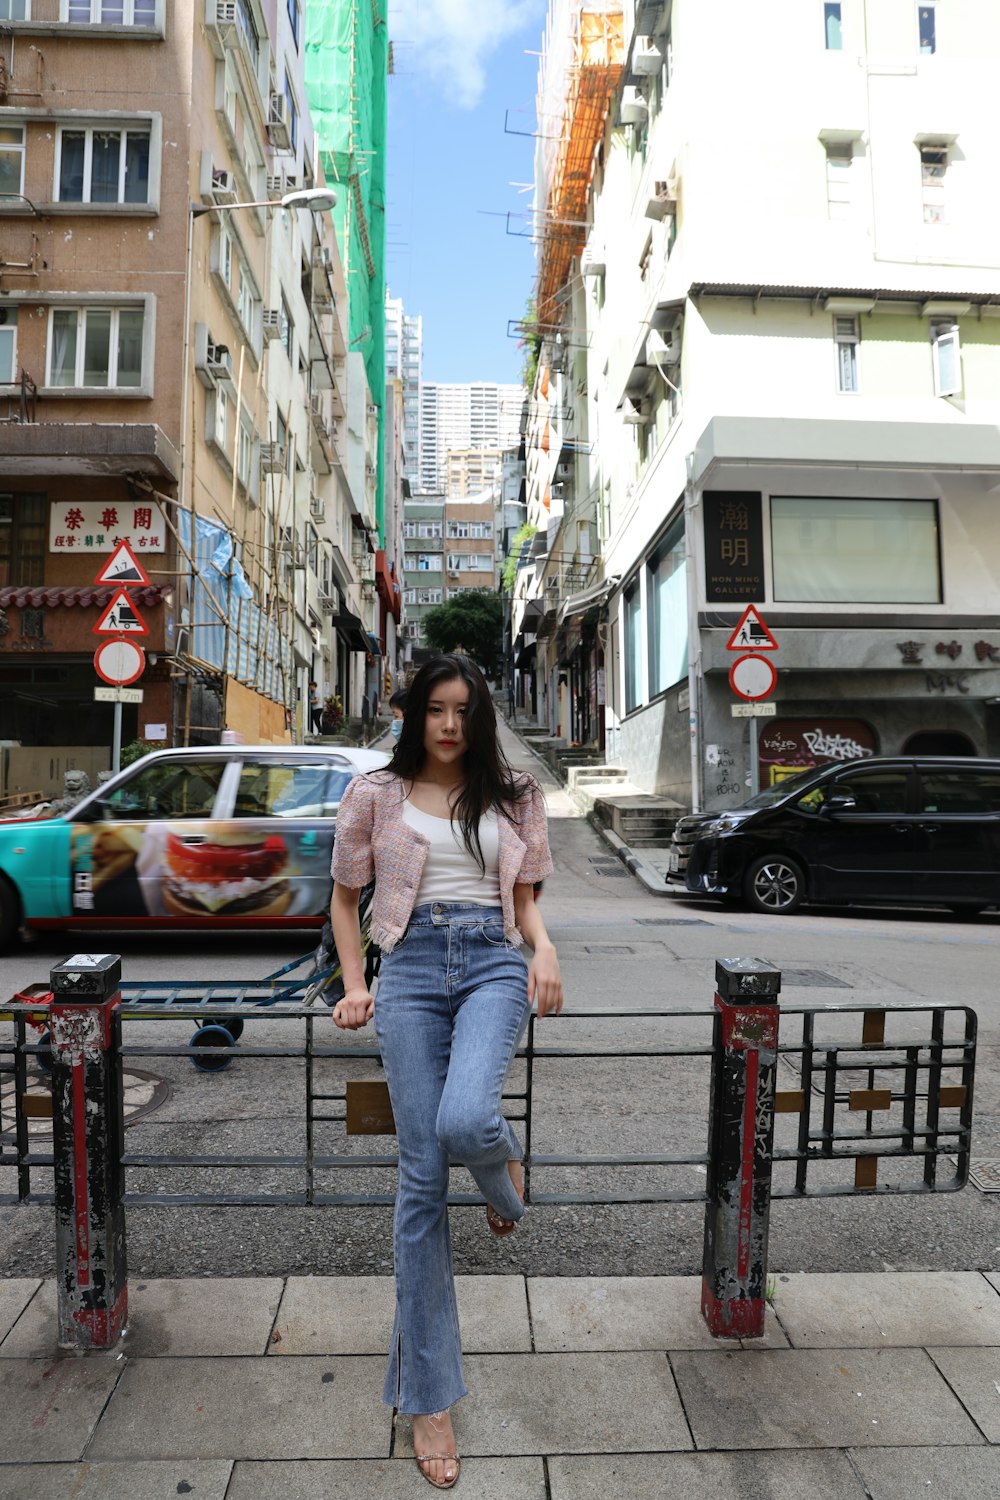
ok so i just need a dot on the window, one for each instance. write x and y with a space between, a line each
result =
11 161
102 166
633 648
8 345
111 12
293 113
409 528
927 26
95 346
839 178
273 790
933 171
430 596
947 355
847 551
23 537
458 529
286 327
428 562
14 10
481 529
429 529
295 16
244 454
167 790
846 337
457 561
668 624
409 596
875 791
248 26
962 792
646 258
833 26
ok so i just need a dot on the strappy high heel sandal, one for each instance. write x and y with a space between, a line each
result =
452 1462
500 1226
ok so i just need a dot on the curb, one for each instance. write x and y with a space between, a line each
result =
633 861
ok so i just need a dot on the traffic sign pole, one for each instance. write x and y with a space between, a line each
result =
116 739
754 756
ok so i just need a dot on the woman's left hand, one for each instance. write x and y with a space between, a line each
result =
545 988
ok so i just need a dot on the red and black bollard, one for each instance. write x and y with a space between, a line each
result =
741 1133
88 1131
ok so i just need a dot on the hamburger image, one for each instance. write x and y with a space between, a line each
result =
231 871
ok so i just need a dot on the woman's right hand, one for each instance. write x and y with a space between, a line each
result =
354 1011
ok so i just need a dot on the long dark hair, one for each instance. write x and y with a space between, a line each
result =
490 782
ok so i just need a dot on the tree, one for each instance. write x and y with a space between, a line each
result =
509 572
471 622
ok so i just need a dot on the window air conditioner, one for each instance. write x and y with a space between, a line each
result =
219 361
278 127
271 322
272 458
634 110
223 187
317 508
221 25
636 411
276 185
647 59
662 201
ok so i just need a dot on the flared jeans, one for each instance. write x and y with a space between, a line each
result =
451 1008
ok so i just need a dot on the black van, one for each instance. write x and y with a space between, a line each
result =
901 830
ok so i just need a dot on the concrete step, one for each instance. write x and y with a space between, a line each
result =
595 775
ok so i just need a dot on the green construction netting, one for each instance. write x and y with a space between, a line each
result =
347 63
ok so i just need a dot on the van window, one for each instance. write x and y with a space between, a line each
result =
963 791
171 789
874 791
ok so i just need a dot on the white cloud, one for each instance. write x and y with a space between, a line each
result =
452 40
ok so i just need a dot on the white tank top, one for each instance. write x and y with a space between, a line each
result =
450 873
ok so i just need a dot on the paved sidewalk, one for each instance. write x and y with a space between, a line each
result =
867 1387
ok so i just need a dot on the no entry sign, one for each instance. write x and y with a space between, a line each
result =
119 662
752 677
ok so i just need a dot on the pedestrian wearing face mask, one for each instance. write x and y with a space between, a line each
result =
398 705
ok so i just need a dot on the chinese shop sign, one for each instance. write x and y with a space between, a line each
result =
734 546
96 526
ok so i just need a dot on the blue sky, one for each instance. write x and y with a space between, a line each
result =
460 65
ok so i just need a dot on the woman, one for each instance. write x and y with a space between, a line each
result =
456 842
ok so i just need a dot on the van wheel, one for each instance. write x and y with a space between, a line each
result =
10 914
967 911
774 883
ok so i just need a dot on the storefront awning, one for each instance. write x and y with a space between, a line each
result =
525 659
597 594
352 631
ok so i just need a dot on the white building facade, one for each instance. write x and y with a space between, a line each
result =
782 336
463 417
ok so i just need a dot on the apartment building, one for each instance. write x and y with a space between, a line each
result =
404 353
463 417
471 471
423 567
172 371
780 327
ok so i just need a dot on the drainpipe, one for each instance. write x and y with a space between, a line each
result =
693 552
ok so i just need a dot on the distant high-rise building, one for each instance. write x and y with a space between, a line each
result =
404 347
471 472
464 417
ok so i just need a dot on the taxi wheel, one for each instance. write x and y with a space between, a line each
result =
10 914
211 1036
774 883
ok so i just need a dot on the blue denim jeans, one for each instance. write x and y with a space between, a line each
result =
452 1005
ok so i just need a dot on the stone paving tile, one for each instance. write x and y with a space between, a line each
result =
706 1476
974 1376
805 1398
938 1473
50 1407
116 1481
886 1309
247 1408
15 1294
627 1312
353 1315
565 1403
388 1479
224 1315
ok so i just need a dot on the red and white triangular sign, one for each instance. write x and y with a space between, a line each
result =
121 618
751 634
123 567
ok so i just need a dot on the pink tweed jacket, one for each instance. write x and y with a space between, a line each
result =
372 838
